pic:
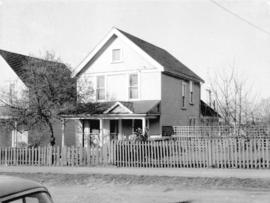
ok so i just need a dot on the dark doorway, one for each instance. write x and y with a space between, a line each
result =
94 125
114 129
137 124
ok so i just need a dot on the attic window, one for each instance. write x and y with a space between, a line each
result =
116 55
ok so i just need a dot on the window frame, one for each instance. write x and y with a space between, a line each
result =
100 88
120 55
191 92
183 95
130 87
192 121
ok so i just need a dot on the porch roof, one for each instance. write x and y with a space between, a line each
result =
114 108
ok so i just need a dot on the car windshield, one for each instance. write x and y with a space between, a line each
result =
39 197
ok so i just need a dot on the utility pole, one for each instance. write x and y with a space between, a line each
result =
210 97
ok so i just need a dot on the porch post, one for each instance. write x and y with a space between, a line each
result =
63 133
120 129
87 133
143 125
101 131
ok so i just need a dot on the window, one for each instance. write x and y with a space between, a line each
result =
191 92
192 122
116 55
133 86
100 87
184 94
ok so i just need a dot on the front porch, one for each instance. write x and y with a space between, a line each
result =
114 121
94 131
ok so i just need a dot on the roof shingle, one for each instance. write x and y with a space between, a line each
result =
137 107
171 64
18 63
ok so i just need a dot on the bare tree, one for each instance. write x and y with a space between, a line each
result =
233 97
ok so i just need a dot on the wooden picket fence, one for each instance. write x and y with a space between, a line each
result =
184 152
195 152
55 156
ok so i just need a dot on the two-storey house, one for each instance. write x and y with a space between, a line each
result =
134 85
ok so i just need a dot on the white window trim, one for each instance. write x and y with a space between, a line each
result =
193 120
183 91
191 90
121 55
105 88
139 84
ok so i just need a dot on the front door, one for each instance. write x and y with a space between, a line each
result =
114 129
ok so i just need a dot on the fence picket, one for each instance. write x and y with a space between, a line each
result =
267 153
195 152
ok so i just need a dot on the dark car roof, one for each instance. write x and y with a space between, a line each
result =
10 185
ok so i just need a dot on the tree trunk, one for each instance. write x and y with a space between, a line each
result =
52 138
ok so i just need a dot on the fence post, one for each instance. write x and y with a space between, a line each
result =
209 152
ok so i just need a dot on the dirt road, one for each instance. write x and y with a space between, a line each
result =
69 188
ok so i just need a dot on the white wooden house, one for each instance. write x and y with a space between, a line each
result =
134 85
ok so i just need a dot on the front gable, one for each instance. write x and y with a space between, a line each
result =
116 73
118 108
100 58
130 59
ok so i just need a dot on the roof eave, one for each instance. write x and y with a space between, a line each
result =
178 75
87 116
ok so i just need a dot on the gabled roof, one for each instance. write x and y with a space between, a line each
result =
169 62
18 63
156 55
135 107
208 111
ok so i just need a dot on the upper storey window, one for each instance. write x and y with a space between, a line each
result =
184 87
116 55
100 87
133 86
191 92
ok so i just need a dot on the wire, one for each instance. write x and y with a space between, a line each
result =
239 17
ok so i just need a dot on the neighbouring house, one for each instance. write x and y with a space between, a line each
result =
135 85
9 135
13 85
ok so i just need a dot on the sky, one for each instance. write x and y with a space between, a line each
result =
203 36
